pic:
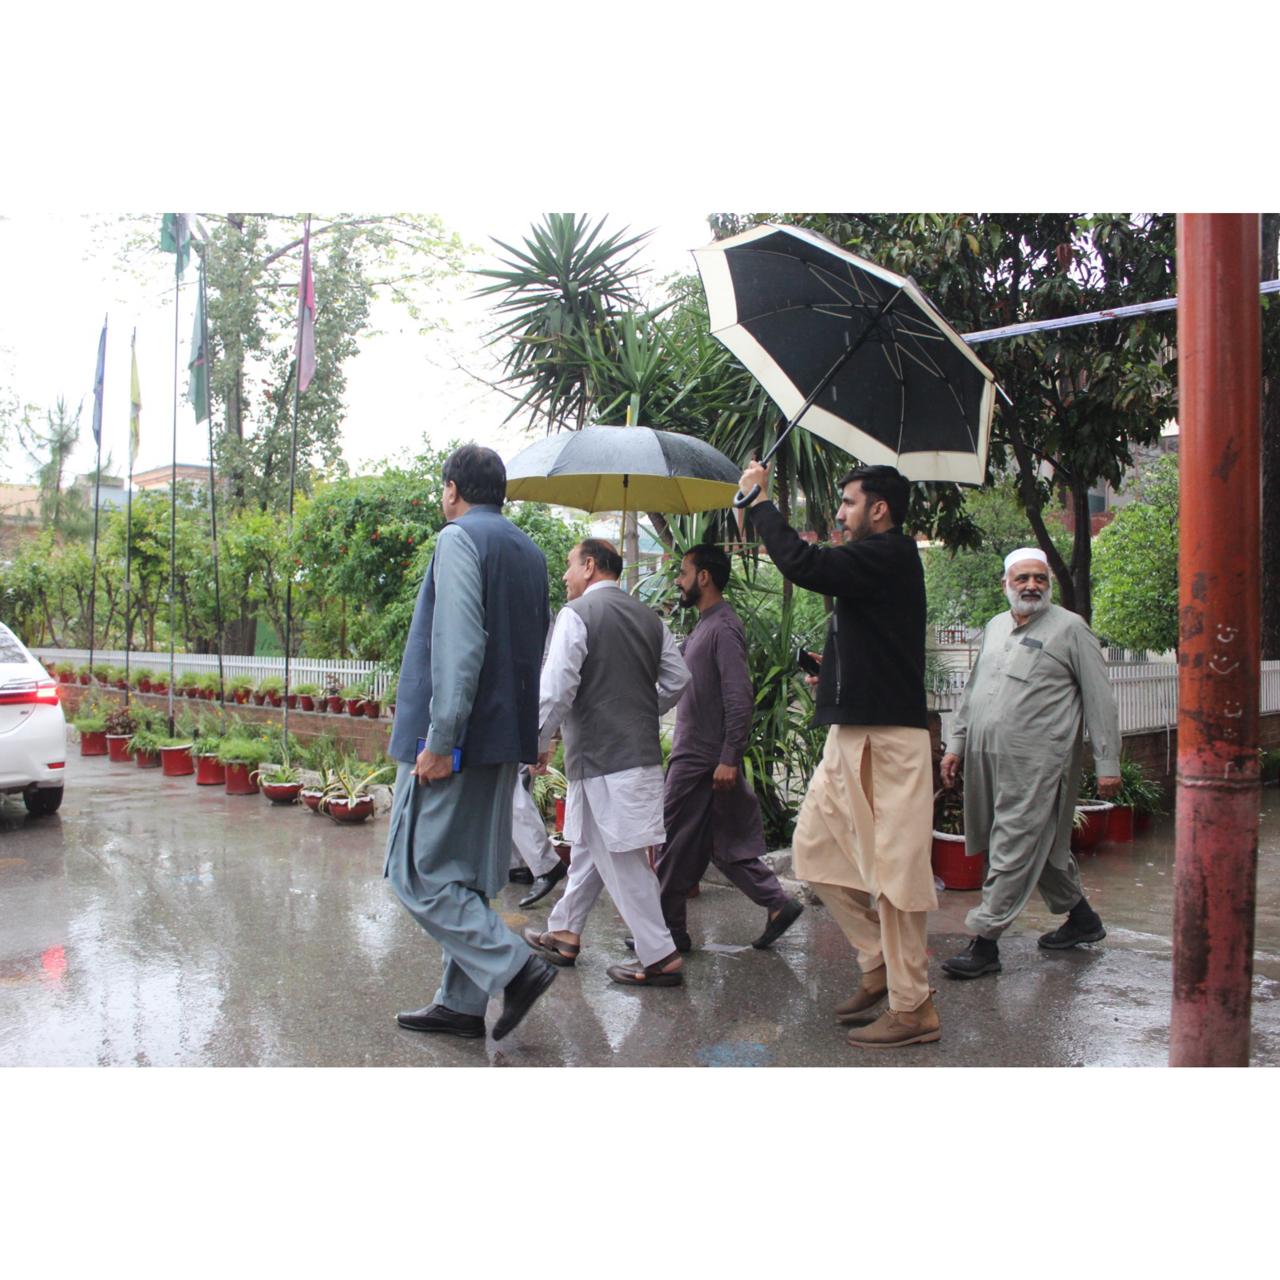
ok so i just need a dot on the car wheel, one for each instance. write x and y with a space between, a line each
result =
43 801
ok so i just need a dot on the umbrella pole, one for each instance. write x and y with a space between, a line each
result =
743 500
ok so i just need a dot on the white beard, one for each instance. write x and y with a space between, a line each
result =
1025 608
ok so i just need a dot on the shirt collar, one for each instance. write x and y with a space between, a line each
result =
604 582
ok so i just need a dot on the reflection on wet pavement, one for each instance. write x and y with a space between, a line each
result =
152 922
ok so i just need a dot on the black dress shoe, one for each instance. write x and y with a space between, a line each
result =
520 993
544 884
681 942
435 1017
982 956
520 875
775 928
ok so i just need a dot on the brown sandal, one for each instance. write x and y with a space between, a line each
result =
651 975
565 954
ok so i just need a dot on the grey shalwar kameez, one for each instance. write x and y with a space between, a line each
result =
449 844
1033 689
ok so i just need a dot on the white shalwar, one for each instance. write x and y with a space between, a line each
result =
610 820
530 843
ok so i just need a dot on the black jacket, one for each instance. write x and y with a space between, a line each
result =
873 661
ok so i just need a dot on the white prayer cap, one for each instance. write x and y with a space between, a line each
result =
1025 553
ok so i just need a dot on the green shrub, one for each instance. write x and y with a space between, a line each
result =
250 751
145 742
139 674
240 684
188 680
351 692
90 724
270 684
306 690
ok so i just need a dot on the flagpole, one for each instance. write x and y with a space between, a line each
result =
99 384
213 502
128 525
293 471
173 478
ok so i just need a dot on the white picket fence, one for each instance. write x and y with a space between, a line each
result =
1146 694
316 671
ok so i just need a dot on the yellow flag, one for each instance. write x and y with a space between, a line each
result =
135 405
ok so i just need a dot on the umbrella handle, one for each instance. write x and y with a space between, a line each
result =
741 499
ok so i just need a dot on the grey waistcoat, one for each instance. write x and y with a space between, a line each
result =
613 724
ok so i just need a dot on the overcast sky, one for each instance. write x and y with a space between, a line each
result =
62 276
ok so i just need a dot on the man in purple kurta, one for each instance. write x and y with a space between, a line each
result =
709 809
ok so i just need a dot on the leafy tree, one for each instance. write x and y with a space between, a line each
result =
64 509
1136 565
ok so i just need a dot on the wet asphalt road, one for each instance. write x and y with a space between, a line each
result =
151 922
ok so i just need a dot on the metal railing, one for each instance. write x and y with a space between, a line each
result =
1146 693
316 671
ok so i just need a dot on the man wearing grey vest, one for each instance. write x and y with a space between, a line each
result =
612 669
466 715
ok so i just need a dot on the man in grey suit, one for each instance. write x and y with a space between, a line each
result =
466 716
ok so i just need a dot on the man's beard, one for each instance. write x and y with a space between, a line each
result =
1025 608
859 531
689 599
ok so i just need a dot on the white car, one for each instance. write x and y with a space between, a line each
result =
33 730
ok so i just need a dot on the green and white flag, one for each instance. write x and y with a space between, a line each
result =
198 387
175 237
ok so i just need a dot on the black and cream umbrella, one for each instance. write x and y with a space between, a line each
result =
854 353
623 469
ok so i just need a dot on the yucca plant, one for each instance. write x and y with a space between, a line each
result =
353 785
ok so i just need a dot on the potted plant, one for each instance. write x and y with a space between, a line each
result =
160 682
102 673
116 676
348 797
1140 798
955 868
84 673
93 734
549 791
144 746
389 695
272 690
352 696
210 771
242 758
208 686
187 685
240 687
280 783
66 672
1089 825
175 757
306 695
142 678
121 725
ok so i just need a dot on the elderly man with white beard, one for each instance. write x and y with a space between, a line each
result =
1038 681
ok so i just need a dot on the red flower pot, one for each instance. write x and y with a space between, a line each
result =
306 702
1141 823
1120 823
275 699
210 772
161 686
144 685
356 811
1090 834
239 781
291 701
118 747
372 709
355 706
101 680
335 704
953 866
311 798
208 694
241 696
122 684
93 744
83 679
259 699
147 759
281 792
65 677
176 762
560 813
562 852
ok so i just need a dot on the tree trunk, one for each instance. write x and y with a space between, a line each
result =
1270 447
1082 553
1031 505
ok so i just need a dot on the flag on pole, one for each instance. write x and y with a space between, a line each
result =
175 237
305 349
135 402
198 387
97 385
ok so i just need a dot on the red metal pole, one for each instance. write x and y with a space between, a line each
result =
1219 410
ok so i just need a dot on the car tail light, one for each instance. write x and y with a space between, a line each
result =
56 764
45 691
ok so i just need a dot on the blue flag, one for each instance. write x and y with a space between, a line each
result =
97 386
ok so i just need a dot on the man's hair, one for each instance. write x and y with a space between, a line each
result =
883 482
478 473
713 560
605 554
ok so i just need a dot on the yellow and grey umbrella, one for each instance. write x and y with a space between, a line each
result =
623 469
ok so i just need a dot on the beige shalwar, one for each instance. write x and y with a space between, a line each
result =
863 840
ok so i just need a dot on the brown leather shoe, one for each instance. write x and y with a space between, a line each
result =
895 1028
854 1011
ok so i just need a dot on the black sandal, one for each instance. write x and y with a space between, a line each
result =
565 954
649 975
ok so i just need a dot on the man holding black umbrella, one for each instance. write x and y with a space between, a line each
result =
862 839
